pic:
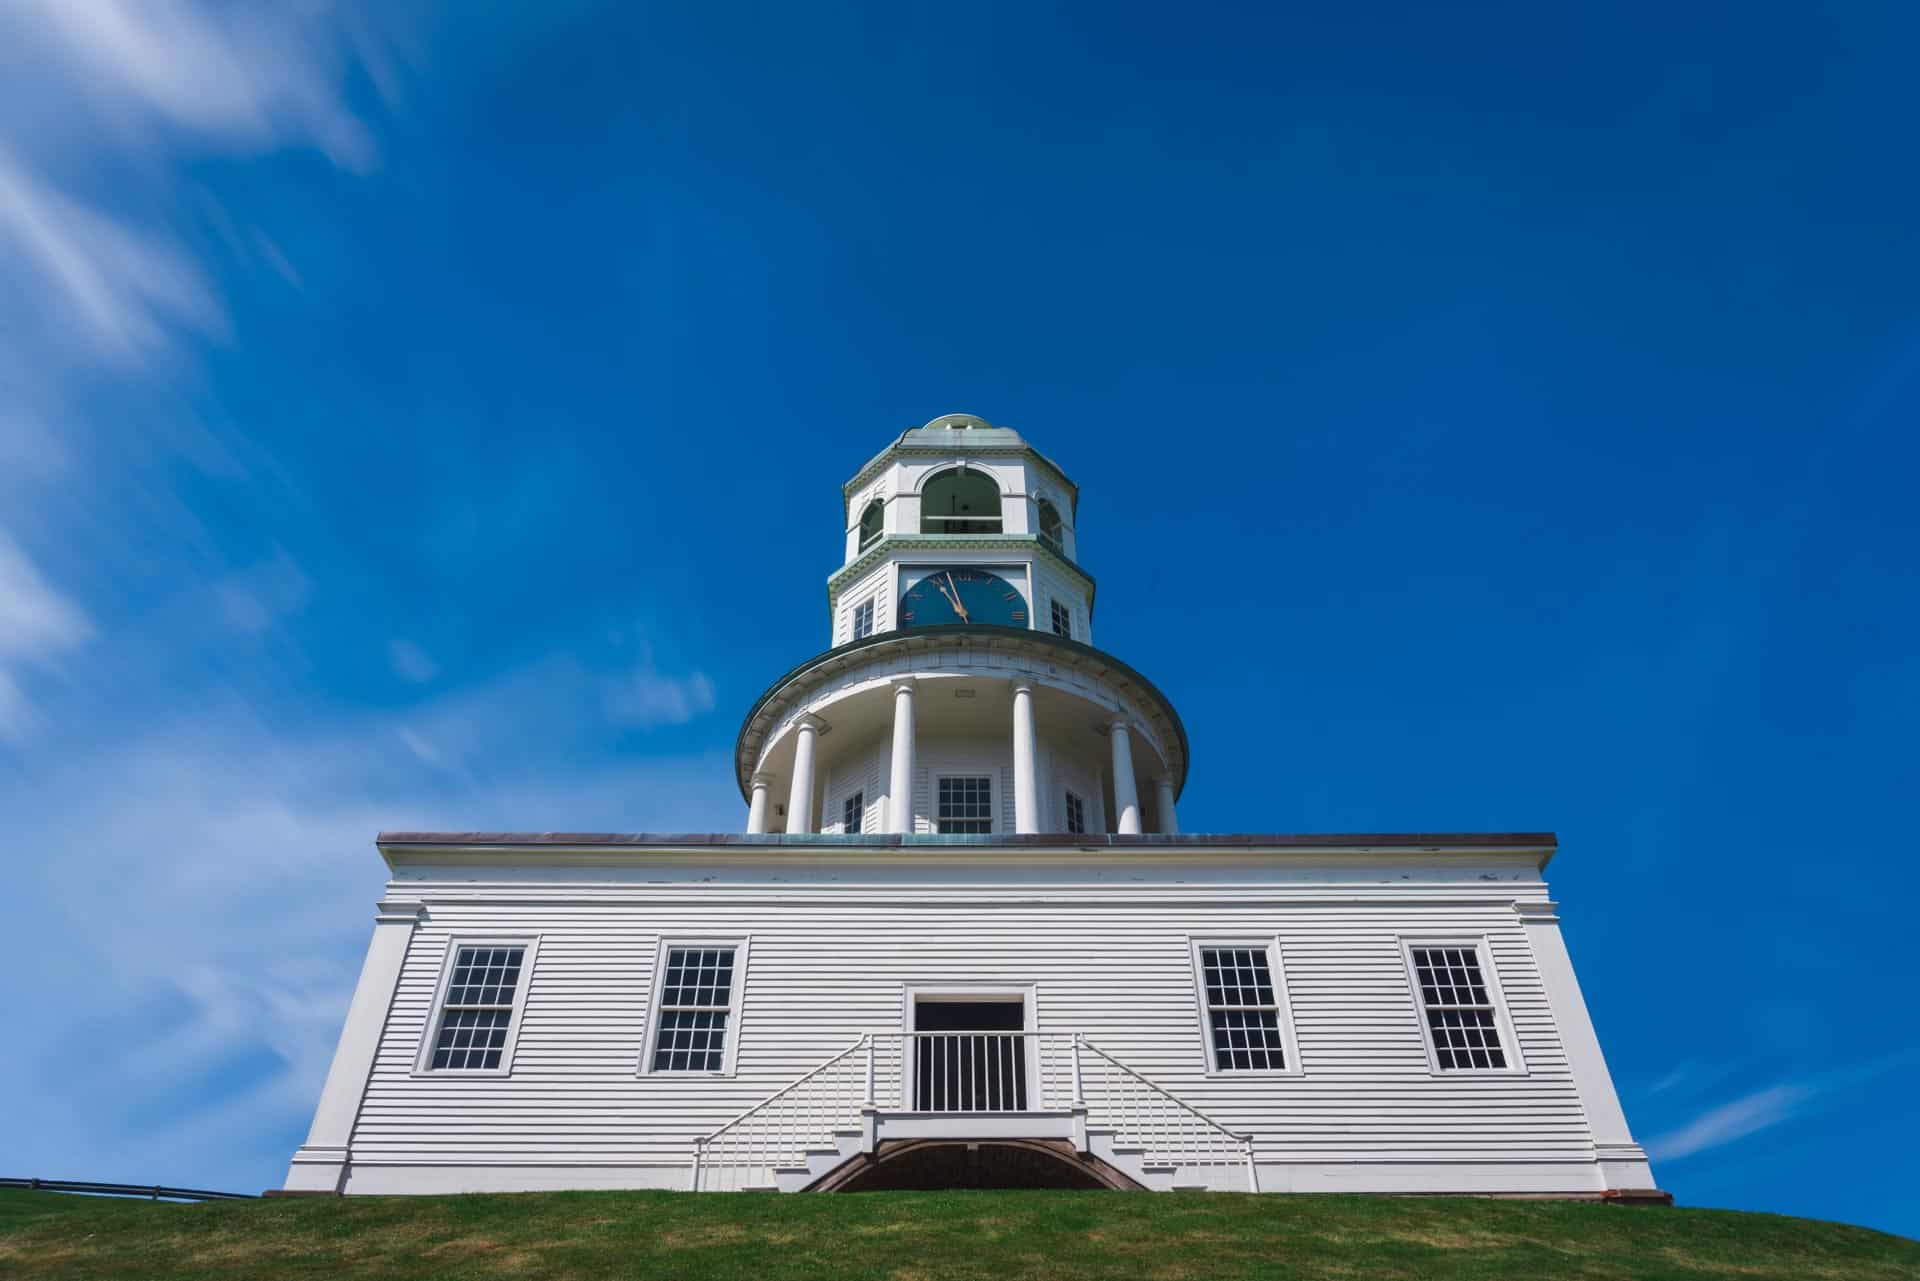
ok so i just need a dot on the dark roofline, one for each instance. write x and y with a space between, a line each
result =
1210 840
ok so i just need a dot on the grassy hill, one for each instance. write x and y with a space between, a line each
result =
921 1237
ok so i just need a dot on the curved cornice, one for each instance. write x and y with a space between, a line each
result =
952 635
1015 448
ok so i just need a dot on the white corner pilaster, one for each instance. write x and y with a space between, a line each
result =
322 1162
1169 821
1126 794
761 785
1026 789
807 731
900 776
1623 1164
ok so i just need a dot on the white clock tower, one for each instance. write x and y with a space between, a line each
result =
963 943
962 694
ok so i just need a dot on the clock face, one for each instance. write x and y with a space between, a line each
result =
962 596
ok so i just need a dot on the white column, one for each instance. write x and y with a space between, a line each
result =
757 810
1126 797
1026 791
1622 1163
1169 822
800 800
900 780
322 1162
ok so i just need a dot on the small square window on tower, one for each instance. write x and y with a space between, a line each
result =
863 620
1076 814
1062 620
853 813
965 806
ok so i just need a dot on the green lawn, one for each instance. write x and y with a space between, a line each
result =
918 1236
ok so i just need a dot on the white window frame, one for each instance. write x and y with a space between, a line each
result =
430 1036
1502 1021
1066 613
1283 1013
859 793
1068 799
993 804
860 544
872 605
736 998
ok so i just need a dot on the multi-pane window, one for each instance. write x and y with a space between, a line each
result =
696 996
966 806
1243 1018
853 813
1062 620
1459 1010
863 619
478 1011
1076 813
870 521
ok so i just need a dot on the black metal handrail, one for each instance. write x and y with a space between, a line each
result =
153 1192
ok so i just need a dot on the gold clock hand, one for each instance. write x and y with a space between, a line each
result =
958 608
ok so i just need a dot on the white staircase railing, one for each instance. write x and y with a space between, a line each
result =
1168 1130
970 1072
776 1132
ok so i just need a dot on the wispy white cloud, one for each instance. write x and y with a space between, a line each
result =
242 74
254 599
35 620
1763 1109
1736 1120
236 867
99 102
411 663
648 698
37 624
121 288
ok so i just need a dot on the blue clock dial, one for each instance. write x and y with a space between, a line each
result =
962 595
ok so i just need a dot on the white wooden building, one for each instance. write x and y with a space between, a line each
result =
963 942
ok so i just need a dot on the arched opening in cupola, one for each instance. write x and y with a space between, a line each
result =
1050 526
870 521
962 500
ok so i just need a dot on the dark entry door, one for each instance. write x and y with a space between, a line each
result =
969 1056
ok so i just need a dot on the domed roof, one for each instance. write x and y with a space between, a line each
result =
961 431
956 422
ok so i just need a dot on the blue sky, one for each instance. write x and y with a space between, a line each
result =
1491 418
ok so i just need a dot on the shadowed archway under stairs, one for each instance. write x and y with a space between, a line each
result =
938 1165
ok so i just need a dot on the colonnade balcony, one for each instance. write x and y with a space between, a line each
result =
962 752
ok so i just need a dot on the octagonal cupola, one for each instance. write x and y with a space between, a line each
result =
959 476
960 610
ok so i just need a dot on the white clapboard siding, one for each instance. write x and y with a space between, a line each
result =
826 965
1050 586
874 586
